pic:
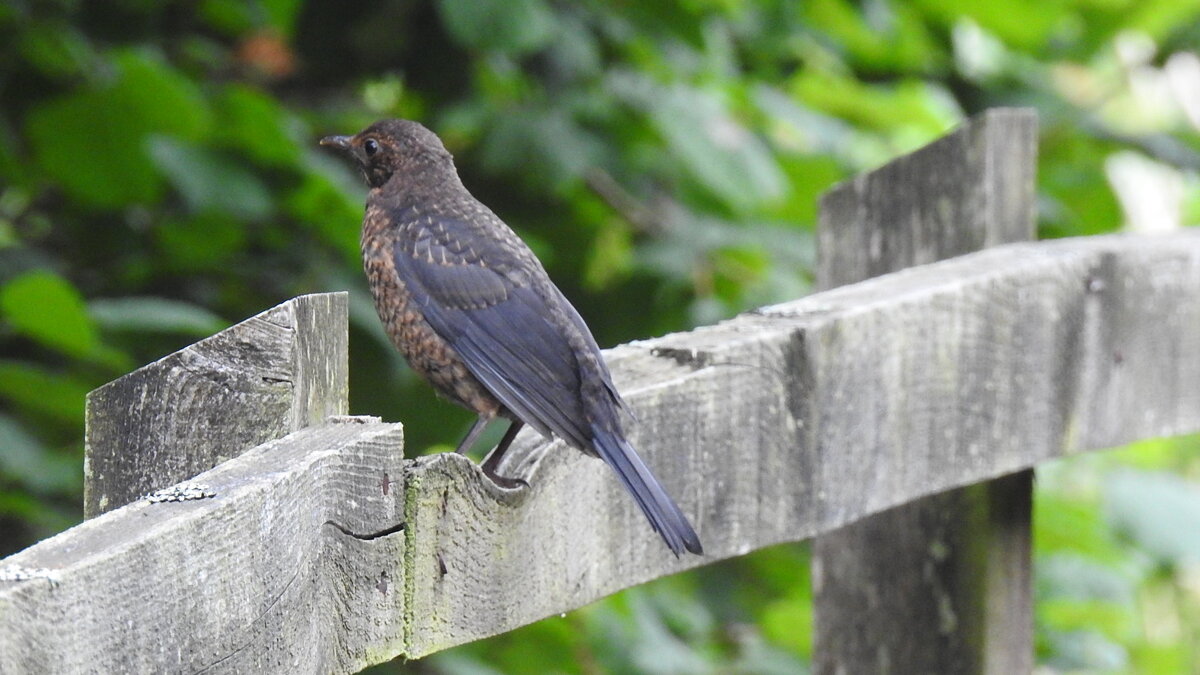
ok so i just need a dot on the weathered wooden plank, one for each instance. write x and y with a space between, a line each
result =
772 427
942 584
966 191
255 579
799 419
259 380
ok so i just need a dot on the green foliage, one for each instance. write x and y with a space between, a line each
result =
159 179
47 308
91 141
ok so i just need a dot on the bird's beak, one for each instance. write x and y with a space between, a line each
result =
340 142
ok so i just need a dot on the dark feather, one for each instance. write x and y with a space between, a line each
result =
502 333
501 330
665 517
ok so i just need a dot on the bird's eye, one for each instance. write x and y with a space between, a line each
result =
370 146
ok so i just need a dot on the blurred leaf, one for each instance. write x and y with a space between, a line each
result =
1086 651
718 151
26 461
1078 578
282 14
458 662
1027 24
231 17
889 36
1160 512
47 308
1162 659
252 122
329 203
1159 18
1069 523
547 146
789 622
201 242
57 49
39 389
510 26
914 112
210 181
155 315
90 142
642 644
610 256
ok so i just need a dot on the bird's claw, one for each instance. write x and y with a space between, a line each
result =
504 482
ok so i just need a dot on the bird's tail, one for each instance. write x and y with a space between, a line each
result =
665 517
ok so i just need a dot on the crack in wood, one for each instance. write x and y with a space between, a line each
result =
368 536
250 642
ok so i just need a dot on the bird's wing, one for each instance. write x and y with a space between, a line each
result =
509 336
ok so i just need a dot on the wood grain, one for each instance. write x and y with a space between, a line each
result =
943 584
261 379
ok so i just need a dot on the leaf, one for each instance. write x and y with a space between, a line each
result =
1085 651
90 142
1026 24
230 17
48 309
210 181
282 14
1073 525
1078 578
56 49
200 243
252 122
47 392
330 203
893 36
27 461
509 26
155 315
1160 512
546 146
715 149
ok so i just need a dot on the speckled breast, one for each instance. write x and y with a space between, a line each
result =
426 352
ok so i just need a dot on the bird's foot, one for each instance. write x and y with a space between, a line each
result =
504 482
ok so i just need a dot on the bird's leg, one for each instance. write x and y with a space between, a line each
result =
473 434
489 464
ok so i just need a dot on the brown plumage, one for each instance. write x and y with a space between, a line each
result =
474 312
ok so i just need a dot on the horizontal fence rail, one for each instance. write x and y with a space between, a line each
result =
326 550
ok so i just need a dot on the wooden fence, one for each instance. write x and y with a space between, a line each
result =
909 407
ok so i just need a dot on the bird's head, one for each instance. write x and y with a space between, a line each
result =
394 147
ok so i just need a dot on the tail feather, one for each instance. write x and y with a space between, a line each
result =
664 516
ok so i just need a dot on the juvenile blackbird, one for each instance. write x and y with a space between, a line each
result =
474 313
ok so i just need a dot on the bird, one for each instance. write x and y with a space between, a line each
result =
475 314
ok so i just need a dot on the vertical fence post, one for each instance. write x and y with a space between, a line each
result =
262 379
943 584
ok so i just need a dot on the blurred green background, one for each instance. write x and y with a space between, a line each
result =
159 180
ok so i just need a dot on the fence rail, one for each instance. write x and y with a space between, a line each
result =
326 550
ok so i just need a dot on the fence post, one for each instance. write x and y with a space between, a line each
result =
262 379
942 584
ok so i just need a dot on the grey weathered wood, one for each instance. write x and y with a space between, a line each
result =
807 416
776 426
966 191
252 580
942 584
259 380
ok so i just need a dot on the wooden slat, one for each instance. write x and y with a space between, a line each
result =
259 380
942 584
797 420
251 580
